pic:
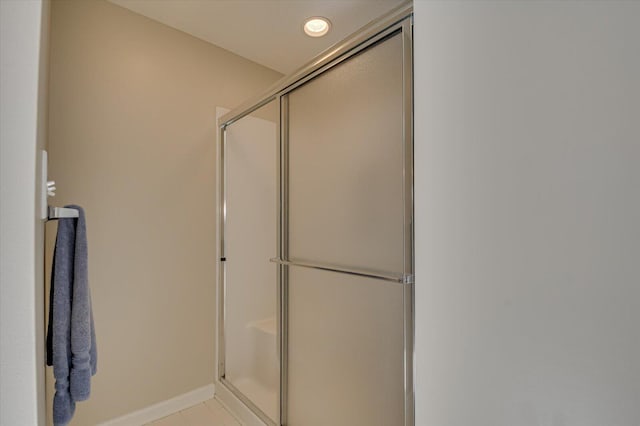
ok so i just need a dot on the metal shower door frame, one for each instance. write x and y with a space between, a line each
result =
398 21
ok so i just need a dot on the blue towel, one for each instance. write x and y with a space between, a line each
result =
71 340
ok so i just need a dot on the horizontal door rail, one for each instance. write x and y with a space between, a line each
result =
396 278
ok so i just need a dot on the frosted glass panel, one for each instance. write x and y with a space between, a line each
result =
345 350
346 163
251 363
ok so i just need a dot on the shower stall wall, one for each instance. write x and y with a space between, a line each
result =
316 239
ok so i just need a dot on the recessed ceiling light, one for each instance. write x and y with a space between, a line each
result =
316 26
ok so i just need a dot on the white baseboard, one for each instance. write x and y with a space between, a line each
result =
163 409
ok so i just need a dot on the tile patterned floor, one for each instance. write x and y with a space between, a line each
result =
208 413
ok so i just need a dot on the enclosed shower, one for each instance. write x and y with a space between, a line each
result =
315 287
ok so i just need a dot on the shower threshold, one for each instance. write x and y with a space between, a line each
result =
266 398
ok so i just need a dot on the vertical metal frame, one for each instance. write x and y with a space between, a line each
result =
398 20
283 252
408 291
222 220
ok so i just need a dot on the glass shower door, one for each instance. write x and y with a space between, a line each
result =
316 323
347 246
249 356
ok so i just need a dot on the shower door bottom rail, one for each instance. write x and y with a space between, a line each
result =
248 402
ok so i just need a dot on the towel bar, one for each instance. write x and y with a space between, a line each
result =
402 279
61 213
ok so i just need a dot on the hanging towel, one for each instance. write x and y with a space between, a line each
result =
71 340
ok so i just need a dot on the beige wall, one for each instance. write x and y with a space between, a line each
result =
132 132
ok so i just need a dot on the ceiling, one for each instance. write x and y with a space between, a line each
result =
268 32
